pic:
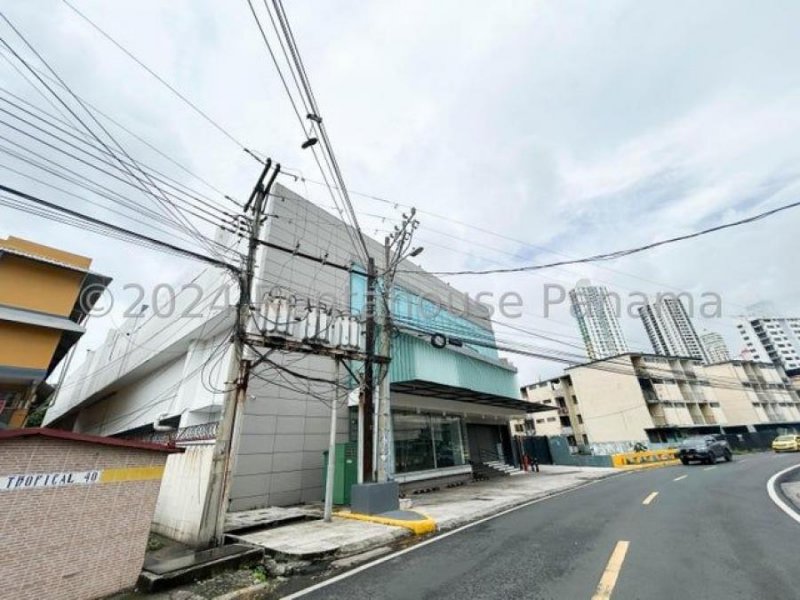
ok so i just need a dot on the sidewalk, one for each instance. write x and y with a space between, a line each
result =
450 508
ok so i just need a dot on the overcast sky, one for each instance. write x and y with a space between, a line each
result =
558 129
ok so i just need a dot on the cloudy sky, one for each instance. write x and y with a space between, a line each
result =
523 132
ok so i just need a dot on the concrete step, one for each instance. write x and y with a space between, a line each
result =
188 566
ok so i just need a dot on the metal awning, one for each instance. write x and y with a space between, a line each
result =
431 389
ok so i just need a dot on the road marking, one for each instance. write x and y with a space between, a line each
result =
776 498
388 557
650 498
681 477
709 468
609 578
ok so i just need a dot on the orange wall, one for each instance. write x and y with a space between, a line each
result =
37 286
26 346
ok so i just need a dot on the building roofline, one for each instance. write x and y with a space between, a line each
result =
61 434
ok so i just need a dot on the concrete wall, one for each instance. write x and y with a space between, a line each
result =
179 510
78 541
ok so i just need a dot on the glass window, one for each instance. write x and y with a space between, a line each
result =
423 441
448 441
413 447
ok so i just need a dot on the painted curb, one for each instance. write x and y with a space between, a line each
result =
420 527
658 465
776 496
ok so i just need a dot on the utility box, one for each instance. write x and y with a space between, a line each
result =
345 471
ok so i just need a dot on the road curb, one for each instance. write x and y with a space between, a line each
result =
777 496
416 526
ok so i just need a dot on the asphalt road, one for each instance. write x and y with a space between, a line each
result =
707 533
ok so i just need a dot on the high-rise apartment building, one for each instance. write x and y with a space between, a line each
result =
597 320
774 339
670 329
716 348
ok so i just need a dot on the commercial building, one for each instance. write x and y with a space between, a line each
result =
450 405
670 328
45 295
772 338
715 346
598 321
606 405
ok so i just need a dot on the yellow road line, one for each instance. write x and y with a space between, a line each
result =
609 578
650 498
681 477
709 468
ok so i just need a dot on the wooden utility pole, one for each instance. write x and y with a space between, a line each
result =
212 526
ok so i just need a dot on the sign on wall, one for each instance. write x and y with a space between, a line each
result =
33 481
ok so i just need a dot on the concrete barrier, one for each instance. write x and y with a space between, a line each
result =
646 457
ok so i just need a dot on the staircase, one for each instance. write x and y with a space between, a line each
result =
492 465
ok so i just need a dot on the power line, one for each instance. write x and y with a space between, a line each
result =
627 252
118 229
84 139
162 81
166 204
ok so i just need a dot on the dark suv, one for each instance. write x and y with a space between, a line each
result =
706 449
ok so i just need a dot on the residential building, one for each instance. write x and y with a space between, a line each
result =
598 321
610 404
45 294
558 394
670 328
772 338
753 393
451 405
715 346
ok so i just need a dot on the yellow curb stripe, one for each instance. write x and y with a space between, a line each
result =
131 474
650 498
609 578
420 527
666 463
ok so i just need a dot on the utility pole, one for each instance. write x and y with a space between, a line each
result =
395 250
367 402
385 467
212 524
331 470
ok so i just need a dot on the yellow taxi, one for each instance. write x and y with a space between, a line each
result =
786 443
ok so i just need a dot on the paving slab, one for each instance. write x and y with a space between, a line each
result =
318 539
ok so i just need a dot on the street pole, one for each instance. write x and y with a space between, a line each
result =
385 462
328 515
212 526
367 434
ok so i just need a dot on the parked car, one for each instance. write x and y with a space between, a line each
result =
786 443
706 449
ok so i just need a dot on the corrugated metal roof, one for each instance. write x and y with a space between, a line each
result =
37 319
39 258
415 359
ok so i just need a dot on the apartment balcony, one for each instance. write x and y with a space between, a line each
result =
567 431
